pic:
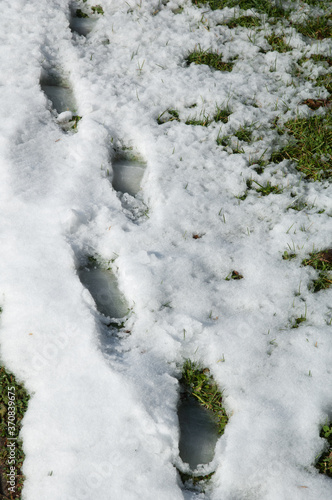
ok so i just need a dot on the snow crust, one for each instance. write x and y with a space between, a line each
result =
103 413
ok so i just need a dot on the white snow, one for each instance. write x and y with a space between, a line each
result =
102 420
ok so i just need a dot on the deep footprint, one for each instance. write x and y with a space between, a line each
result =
62 100
198 433
128 173
60 94
103 286
81 25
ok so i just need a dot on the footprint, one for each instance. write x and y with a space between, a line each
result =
81 25
128 171
198 433
103 286
63 103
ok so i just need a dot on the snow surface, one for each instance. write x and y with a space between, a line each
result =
102 420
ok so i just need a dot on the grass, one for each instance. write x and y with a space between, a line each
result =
263 6
97 9
203 120
75 119
169 115
243 22
288 255
277 43
81 14
312 148
322 262
13 396
298 321
244 134
321 58
222 114
324 463
325 81
212 59
317 28
234 275
198 383
267 189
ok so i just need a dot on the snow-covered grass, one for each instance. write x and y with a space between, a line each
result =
221 257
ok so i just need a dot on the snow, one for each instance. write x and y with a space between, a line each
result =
102 420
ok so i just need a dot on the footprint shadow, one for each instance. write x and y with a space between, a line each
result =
127 175
198 433
62 103
112 306
79 24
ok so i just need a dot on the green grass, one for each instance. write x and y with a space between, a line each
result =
262 6
75 119
169 115
12 395
277 43
288 255
243 22
267 189
97 9
321 58
324 462
212 59
312 148
325 81
223 141
322 262
198 383
203 120
81 14
316 28
234 275
222 115
298 321
244 134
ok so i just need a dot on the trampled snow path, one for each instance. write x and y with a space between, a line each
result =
104 425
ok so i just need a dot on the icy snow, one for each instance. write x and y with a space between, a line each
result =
102 420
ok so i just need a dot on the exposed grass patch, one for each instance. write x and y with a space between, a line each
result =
317 28
169 115
324 463
203 120
278 43
97 9
223 141
288 255
81 14
222 115
312 148
321 58
243 22
263 6
198 382
322 262
267 189
212 59
325 81
299 320
244 134
234 275
13 404
75 119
